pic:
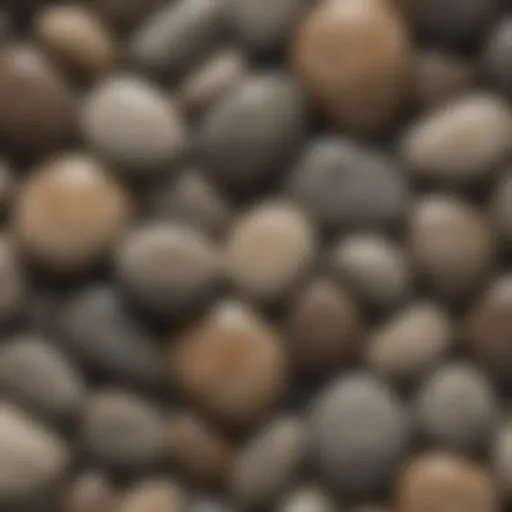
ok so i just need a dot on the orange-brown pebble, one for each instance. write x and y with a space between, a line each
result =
69 212
231 364
444 482
154 495
77 39
90 492
353 57
198 451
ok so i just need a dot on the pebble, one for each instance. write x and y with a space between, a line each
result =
489 325
36 104
129 122
14 289
91 491
411 343
193 200
340 49
324 327
308 498
199 452
216 77
268 463
450 243
375 267
33 458
36 376
232 364
168 268
122 430
269 249
69 212
501 459
77 39
265 25
175 38
125 14
501 208
102 334
375 437
343 184
496 57
156 495
441 481
460 143
243 155
457 408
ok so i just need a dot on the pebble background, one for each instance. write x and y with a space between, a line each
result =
255 256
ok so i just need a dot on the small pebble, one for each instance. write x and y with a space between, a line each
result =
76 39
376 268
70 212
268 463
36 104
324 327
175 38
122 430
457 408
197 450
155 495
501 459
90 492
411 343
308 498
101 333
14 289
168 268
496 55
460 143
340 50
39 378
501 208
343 184
232 364
125 14
129 122
269 249
243 155
450 243
441 481
375 437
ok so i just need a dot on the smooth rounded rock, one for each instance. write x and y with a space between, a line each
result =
250 134
155 495
70 212
130 123
232 364
340 50
343 184
460 143
375 436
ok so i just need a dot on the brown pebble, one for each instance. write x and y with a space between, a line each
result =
340 50
90 492
77 39
70 212
268 463
269 249
411 342
308 498
440 481
197 450
155 495
324 327
36 104
231 364
451 244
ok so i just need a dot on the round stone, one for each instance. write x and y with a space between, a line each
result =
375 434
69 212
460 143
342 184
308 498
441 481
375 267
269 249
122 430
496 55
339 50
129 122
168 268
451 244
324 327
411 343
156 494
90 492
268 463
247 136
36 104
456 408
231 364
501 458
14 289
76 39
